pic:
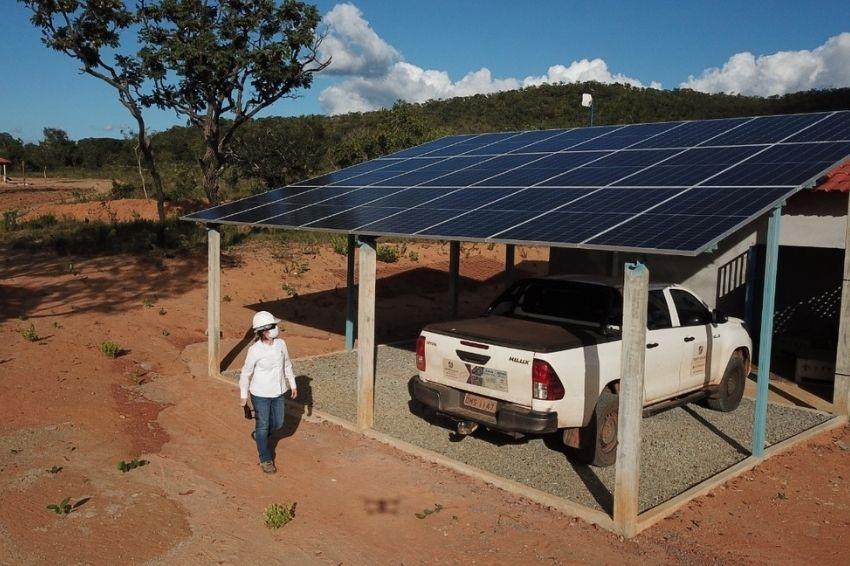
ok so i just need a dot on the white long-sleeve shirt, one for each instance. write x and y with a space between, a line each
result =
267 371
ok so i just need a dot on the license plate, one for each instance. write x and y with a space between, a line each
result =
480 403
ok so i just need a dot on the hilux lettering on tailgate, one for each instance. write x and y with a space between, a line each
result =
519 360
476 375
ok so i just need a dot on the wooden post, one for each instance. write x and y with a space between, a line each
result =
632 361
213 300
366 335
454 274
841 388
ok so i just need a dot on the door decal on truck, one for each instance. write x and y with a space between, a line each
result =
698 360
476 375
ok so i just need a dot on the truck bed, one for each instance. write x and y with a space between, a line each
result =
520 333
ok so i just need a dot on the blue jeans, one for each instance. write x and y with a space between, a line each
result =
268 412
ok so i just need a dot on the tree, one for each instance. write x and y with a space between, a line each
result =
83 30
220 63
56 148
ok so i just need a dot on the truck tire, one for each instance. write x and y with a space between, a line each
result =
598 440
731 390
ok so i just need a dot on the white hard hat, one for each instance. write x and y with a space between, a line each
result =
263 320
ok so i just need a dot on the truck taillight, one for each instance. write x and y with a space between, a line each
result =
545 384
420 353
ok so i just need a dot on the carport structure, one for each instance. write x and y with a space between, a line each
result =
672 188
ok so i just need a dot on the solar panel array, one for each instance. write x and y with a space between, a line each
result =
671 187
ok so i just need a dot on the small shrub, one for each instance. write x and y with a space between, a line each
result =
387 254
110 349
149 301
10 220
291 290
413 256
340 245
61 508
30 333
131 465
279 514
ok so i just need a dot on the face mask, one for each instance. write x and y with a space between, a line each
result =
273 333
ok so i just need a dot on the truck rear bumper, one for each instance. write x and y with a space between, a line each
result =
507 417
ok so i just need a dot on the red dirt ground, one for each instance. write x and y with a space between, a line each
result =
71 414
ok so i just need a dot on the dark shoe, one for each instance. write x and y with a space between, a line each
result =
268 467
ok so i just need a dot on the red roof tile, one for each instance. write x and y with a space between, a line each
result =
838 179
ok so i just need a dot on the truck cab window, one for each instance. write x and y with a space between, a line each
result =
691 311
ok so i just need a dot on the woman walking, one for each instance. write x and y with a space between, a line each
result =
267 375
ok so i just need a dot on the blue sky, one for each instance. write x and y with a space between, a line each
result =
386 50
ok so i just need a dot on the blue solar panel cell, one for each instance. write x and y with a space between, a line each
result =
535 198
674 187
690 167
626 136
767 129
833 127
411 221
690 134
788 164
428 147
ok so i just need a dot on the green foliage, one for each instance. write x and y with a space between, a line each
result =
387 253
291 290
110 349
62 508
340 245
279 514
10 220
30 334
425 512
125 467
125 190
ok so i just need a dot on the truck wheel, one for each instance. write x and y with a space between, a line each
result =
598 440
731 390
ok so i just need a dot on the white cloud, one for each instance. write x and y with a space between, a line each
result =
583 71
827 66
352 45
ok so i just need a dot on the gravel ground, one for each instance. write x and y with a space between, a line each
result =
680 448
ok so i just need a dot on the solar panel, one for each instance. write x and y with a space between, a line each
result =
667 187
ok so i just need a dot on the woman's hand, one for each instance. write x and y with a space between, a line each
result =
294 393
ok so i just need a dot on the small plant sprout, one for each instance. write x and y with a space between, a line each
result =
425 512
125 467
30 334
290 289
279 514
110 349
226 299
149 301
54 470
62 508
162 311
165 332
387 254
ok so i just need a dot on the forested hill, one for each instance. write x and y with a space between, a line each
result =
271 152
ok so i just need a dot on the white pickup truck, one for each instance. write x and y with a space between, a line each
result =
545 358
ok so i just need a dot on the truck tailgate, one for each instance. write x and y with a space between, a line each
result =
491 356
